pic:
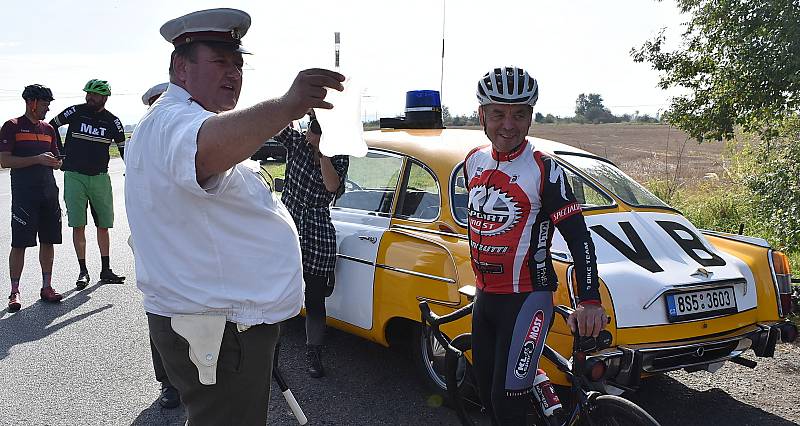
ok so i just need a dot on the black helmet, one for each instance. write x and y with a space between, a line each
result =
38 92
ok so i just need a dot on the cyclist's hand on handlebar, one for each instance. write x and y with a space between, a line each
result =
588 320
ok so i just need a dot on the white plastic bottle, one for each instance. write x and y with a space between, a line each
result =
545 394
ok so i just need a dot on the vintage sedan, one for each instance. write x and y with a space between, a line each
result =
678 297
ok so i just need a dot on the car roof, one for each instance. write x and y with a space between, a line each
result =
450 146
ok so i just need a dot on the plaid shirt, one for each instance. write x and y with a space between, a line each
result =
308 201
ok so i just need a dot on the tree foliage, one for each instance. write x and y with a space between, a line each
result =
740 61
585 102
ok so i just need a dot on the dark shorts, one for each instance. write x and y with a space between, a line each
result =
35 210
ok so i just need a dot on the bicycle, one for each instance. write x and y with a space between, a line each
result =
588 407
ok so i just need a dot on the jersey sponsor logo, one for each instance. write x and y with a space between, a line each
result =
557 176
18 219
489 268
535 331
540 256
492 211
91 130
587 255
565 212
67 113
489 249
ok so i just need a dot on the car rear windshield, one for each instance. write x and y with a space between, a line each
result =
614 180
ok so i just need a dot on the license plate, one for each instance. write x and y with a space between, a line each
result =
700 304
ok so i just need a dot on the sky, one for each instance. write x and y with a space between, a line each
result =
387 47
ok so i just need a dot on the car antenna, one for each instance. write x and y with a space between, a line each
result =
441 73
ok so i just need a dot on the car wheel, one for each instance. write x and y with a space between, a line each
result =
429 358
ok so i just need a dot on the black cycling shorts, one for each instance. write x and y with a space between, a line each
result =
35 210
508 335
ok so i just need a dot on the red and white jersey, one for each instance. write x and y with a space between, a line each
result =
515 199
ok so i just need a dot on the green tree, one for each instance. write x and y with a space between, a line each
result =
740 60
585 102
539 118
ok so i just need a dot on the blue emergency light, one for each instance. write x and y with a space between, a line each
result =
423 111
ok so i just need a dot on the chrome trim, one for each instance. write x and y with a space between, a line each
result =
775 282
404 189
702 286
755 241
430 231
727 357
705 343
415 273
355 259
694 347
439 302
361 211
451 192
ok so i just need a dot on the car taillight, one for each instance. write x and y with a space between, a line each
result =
595 369
783 282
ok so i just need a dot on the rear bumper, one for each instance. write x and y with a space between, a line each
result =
627 363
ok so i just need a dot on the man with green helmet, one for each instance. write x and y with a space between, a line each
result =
91 131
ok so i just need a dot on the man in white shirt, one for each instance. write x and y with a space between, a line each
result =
212 241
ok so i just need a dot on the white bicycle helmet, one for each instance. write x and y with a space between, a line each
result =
508 85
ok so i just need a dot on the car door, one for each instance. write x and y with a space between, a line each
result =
361 215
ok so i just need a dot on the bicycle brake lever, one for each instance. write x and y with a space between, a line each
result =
592 344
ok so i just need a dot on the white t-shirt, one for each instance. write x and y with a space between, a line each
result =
230 247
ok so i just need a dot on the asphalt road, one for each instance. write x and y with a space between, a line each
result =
86 361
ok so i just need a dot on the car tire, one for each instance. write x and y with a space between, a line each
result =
428 356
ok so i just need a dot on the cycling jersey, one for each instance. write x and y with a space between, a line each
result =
89 137
515 199
22 138
34 195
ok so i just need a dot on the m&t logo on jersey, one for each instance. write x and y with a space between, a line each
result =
91 130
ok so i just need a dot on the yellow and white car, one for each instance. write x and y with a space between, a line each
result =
678 297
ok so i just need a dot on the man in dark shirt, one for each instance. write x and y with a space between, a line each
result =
91 131
28 147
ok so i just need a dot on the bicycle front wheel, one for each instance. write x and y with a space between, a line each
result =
610 410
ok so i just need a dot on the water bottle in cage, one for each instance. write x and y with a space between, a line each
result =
545 394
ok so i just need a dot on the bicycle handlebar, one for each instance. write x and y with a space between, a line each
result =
586 343
581 344
436 320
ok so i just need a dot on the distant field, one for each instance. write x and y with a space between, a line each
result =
644 151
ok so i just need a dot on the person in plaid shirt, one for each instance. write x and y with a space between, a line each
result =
311 185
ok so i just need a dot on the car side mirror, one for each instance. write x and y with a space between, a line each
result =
278 185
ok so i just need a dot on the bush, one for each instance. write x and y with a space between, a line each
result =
761 190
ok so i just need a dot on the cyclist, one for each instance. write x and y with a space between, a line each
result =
91 131
28 147
517 194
